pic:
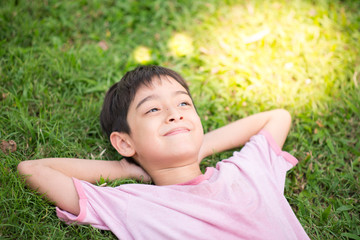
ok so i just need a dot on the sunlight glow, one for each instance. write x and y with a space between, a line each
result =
181 44
284 59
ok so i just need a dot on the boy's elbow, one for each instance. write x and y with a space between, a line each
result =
26 168
23 167
279 125
284 121
285 116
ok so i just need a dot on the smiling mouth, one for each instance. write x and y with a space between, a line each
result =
177 131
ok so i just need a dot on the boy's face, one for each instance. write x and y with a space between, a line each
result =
166 130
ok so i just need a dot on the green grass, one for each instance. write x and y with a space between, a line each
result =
239 57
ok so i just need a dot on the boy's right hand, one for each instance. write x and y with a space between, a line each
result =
53 177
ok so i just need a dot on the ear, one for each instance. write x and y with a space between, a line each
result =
122 143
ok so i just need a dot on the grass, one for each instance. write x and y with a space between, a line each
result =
57 59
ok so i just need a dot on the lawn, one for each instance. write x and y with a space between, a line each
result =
57 59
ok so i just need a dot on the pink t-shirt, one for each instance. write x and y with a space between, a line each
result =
242 198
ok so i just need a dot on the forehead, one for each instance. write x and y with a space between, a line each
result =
158 85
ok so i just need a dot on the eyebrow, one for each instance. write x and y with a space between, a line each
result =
155 96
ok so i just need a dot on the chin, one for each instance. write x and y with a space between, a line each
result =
185 153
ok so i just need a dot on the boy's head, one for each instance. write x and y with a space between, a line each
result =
114 116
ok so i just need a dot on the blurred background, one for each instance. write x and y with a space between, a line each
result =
58 58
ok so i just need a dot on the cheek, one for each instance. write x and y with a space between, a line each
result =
200 130
143 131
198 121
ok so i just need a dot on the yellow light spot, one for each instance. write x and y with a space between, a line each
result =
181 44
142 54
289 65
108 33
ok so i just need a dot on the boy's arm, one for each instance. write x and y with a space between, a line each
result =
53 177
276 122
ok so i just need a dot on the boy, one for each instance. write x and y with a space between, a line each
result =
151 120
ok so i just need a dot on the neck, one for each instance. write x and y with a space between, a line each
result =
175 175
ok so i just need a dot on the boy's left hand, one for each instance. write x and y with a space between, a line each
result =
136 172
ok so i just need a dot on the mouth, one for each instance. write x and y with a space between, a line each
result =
176 131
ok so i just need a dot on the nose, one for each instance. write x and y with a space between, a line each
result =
174 115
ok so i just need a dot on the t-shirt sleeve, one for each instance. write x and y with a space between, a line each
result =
95 203
262 157
69 217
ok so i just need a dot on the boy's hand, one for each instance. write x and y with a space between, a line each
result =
136 172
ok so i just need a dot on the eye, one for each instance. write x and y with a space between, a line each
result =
184 104
152 110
